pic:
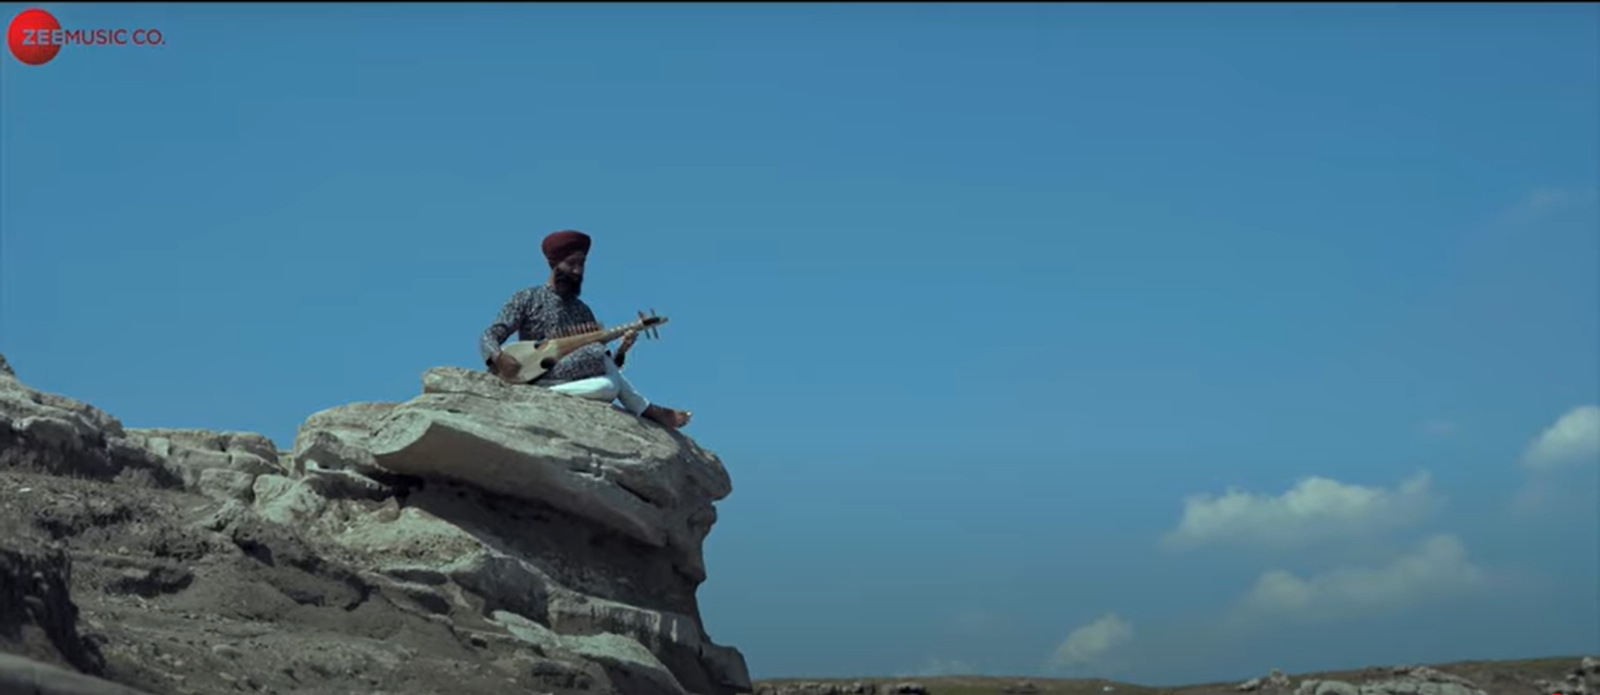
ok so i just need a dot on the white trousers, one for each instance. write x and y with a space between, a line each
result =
611 387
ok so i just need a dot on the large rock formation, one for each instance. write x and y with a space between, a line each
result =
1405 680
478 538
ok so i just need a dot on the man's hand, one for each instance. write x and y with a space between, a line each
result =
506 366
622 350
627 341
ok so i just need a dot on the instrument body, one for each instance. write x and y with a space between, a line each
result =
538 357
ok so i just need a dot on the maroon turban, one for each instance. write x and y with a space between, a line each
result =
562 244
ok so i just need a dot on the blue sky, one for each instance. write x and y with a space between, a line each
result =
987 308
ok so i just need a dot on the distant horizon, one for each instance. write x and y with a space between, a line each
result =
1228 682
1047 339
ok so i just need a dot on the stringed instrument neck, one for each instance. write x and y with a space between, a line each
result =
564 345
568 343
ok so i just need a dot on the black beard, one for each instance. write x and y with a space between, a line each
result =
568 285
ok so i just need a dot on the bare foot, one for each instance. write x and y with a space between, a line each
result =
667 417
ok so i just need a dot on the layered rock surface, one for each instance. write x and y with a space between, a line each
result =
1419 680
478 538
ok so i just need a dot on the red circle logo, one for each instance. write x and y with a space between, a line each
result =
32 37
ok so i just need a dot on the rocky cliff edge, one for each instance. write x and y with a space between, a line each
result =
478 538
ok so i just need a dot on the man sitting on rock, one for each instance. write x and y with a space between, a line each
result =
554 309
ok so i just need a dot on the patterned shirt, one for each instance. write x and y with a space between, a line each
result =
538 313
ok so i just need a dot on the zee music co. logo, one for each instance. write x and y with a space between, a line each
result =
35 37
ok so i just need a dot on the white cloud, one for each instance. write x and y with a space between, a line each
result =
1573 440
1315 510
1569 446
1090 644
1437 569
